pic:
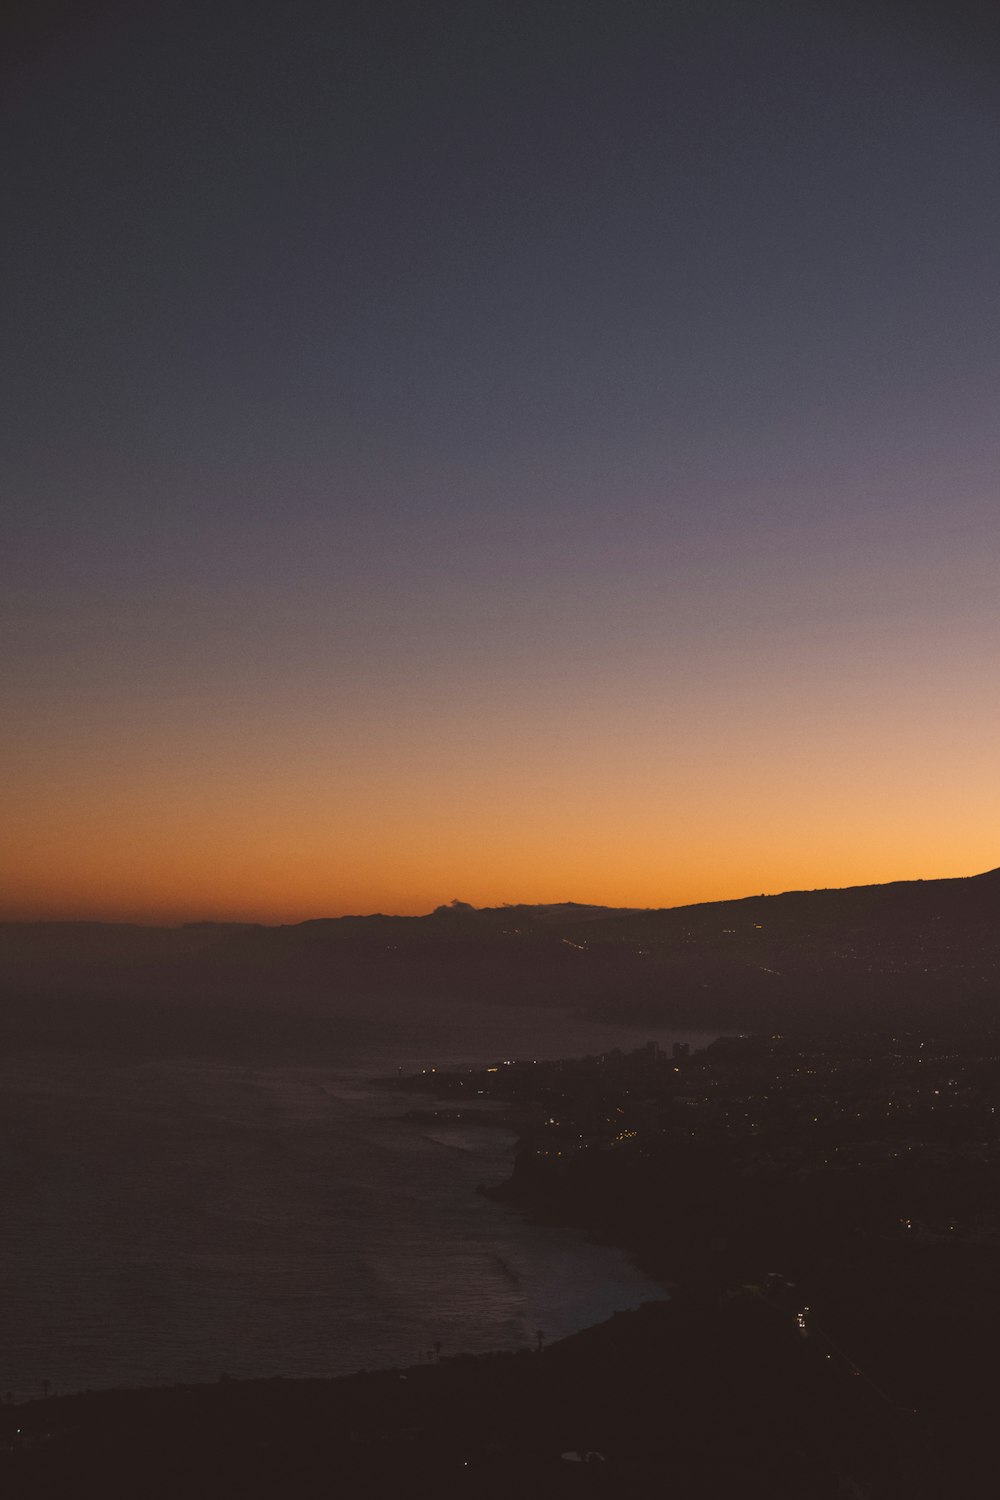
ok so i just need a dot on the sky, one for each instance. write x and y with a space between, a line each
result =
496 451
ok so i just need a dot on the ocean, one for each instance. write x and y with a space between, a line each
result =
173 1213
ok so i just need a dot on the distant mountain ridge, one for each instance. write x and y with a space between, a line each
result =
868 954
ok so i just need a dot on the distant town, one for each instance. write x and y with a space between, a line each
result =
865 1133
848 1182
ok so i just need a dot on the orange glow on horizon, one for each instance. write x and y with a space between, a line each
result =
234 854
636 773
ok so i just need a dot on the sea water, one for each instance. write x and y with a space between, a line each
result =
258 1212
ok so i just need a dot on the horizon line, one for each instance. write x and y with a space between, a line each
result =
458 905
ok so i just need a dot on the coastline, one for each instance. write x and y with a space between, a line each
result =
805 1350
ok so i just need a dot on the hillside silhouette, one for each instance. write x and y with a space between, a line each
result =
920 952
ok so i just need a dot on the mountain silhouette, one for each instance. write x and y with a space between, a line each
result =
923 952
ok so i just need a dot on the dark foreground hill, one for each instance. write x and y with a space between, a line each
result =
879 955
694 1398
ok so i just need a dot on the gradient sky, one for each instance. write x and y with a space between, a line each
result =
499 451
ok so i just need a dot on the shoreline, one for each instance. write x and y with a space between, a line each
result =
534 1206
804 1342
